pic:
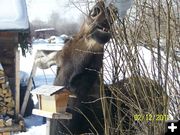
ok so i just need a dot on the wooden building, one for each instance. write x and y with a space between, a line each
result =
14 27
44 33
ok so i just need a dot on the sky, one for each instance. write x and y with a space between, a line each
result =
69 9
42 9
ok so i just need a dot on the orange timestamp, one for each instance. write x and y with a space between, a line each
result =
151 117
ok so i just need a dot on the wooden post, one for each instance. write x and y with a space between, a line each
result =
48 126
17 80
53 127
28 90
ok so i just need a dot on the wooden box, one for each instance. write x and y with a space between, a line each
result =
52 98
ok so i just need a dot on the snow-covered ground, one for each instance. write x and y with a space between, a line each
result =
34 126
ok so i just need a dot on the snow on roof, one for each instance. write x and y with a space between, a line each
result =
13 15
44 29
47 90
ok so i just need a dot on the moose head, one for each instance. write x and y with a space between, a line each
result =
81 58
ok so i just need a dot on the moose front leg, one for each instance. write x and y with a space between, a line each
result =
45 61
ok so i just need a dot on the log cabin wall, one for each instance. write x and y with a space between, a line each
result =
8 46
10 63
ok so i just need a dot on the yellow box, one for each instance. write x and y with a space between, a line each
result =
52 98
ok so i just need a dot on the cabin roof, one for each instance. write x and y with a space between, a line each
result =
44 29
13 15
47 90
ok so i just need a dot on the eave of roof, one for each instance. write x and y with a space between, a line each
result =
47 90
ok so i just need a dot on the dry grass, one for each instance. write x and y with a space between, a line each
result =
154 25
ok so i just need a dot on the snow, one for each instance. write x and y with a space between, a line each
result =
34 126
52 43
27 62
122 5
42 76
23 78
147 64
35 130
65 8
55 39
13 15
45 29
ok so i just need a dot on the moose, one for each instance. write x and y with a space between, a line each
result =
78 69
